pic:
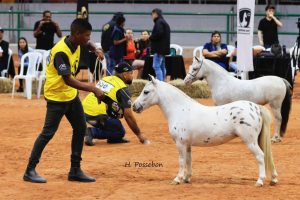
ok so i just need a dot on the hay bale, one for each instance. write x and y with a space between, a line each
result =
198 89
5 85
137 86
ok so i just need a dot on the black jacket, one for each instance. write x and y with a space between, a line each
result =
3 60
160 37
106 39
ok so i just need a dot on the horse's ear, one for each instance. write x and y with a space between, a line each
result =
152 79
197 59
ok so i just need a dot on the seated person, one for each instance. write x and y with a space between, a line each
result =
23 48
130 47
143 50
104 117
216 51
232 59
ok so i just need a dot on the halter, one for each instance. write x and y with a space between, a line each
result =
197 70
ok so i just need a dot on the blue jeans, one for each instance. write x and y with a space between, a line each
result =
105 127
111 66
159 66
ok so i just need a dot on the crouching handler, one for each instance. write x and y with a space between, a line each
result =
104 117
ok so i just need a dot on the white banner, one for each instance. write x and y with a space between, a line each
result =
245 23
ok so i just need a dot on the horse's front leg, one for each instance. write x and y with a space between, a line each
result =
182 161
277 115
188 175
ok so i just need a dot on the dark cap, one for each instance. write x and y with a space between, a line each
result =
269 7
1 29
117 14
123 67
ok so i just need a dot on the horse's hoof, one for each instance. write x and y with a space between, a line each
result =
258 184
275 139
175 182
187 180
273 182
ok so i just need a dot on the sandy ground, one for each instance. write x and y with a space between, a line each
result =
228 171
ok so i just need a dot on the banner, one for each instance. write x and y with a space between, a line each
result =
245 23
82 9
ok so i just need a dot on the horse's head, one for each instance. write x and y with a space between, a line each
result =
195 72
148 96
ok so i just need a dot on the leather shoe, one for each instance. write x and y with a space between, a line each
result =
88 138
116 141
32 176
76 174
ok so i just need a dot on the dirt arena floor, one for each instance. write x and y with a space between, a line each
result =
228 171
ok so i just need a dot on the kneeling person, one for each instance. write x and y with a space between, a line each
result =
104 117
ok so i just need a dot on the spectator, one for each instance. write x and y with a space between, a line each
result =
143 50
22 49
160 43
118 50
62 98
107 125
44 30
267 28
216 51
130 47
4 55
106 36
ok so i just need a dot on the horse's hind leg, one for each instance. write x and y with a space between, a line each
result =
188 175
277 115
274 180
182 161
259 155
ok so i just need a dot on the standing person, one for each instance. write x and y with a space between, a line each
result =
267 28
105 122
44 30
23 48
118 50
215 50
160 43
62 98
106 36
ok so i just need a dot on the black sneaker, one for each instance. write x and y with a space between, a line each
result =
88 138
115 141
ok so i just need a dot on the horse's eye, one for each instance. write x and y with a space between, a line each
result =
146 92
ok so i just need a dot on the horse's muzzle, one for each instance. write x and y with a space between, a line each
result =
138 108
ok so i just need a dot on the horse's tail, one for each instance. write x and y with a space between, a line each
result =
264 140
286 107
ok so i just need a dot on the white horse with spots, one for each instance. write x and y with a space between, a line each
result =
225 88
193 124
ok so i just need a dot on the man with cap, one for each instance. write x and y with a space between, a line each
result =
104 117
3 51
267 28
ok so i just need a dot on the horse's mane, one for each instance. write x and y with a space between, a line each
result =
216 67
177 90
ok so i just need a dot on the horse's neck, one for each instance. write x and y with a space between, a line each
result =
215 76
172 99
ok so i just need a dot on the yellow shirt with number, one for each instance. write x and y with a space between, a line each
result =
110 85
55 88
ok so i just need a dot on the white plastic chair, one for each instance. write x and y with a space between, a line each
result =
34 58
179 49
42 75
4 73
195 52
230 49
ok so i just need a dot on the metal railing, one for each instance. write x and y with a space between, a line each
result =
230 17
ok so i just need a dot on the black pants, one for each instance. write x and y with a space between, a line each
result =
55 111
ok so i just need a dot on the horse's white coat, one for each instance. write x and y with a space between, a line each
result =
193 124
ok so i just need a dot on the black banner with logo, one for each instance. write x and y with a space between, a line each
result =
82 9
